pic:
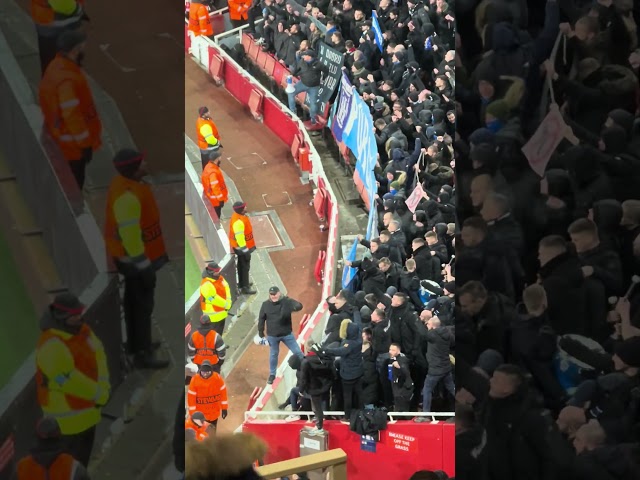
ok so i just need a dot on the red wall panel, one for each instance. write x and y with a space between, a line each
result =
278 122
404 448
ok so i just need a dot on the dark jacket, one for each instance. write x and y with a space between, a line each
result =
277 316
370 378
332 329
401 382
316 374
310 73
606 268
438 350
381 338
424 264
350 352
404 331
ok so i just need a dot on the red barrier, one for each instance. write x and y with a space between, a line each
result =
404 448
318 272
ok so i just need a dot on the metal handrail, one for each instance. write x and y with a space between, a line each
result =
238 30
302 413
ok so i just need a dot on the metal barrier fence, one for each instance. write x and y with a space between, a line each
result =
73 241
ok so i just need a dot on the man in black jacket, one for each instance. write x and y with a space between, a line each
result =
316 378
276 314
310 70
440 368
399 375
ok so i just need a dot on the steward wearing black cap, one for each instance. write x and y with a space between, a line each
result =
134 240
49 458
68 107
208 136
242 245
72 376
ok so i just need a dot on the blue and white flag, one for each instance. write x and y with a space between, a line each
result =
377 30
349 273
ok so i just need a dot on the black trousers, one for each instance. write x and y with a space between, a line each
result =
139 300
47 49
204 158
80 445
253 14
317 404
243 265
78 168
219 326
352 393
238 23
218 210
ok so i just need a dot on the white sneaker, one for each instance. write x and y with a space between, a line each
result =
316 431
292 418
260 41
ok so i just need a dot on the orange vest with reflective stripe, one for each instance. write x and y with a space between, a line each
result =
43 15
84 359
199 21
202 143
72 121
62 468
207 396
238 9
220 291
154 247
214 185
201 432
205 347
248 232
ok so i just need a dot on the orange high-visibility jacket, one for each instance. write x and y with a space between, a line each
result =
206 344
213 184
208 135
201 432
70 114
62 468
133 233
208 396
52 19
199 21
241 233
238 9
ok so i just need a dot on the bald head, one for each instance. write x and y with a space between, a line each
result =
481 186
589 436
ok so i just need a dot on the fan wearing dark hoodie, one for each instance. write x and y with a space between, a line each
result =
373 279
351 365
48 456
341 307
607 215
370 376
316 377
399 374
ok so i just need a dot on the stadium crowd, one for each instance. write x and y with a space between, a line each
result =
547 328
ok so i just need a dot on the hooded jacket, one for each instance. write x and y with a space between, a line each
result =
607 215
349 351
317 375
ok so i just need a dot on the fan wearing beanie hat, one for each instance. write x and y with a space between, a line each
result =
78 132
67 387
243 245
49 449
135 243
496 115
208 394
208 135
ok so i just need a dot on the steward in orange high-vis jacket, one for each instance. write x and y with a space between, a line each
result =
208 394
135 243
49 459
213 183
238 12
208 136
198 424
68 108
199 20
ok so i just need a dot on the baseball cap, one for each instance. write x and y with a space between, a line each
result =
273 290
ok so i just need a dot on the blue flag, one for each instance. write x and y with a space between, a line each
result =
376 29
349 273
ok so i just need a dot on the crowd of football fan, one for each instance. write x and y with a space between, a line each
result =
547 335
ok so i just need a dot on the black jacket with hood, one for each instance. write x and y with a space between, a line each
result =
317 374
349 351
439 345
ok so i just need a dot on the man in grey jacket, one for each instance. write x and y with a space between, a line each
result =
275 313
